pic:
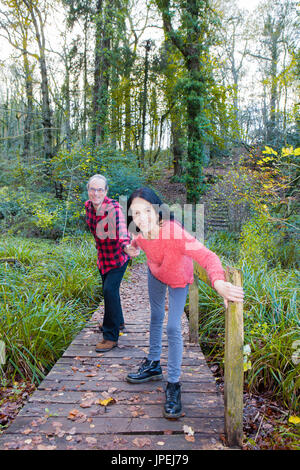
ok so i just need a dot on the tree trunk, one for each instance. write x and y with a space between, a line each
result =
177 146
144 102
85 84
191 41
46 111
127 100
271 129
196 133
29 103
101 74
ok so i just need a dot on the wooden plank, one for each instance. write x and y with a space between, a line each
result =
126 397
88 375
201 273
207 406
135 351
109 358
196 367
103 384
103 425
93 441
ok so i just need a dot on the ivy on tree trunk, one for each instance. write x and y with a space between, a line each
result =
192 40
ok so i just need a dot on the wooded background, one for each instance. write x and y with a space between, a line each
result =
141 82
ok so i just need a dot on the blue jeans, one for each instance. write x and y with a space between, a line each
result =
177 299
113 315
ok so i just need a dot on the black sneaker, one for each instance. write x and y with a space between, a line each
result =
148 370
172 408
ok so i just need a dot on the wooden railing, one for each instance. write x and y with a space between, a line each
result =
233 361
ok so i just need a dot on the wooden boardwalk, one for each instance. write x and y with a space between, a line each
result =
65 412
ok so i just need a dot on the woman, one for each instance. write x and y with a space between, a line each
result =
170 252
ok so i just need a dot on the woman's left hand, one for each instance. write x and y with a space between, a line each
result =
229 292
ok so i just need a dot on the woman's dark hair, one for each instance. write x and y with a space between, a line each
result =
149 195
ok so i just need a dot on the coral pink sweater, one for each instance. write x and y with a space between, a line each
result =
170 256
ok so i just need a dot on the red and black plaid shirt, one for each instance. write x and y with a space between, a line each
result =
109 229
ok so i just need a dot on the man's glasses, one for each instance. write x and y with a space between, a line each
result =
94 190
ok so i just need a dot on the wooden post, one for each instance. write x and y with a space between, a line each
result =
199 273
234 368
193 310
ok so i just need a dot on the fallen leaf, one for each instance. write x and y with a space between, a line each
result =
76 415
189 438
56 424
91 440
34 423
137 413
141 442
108 401
87 403
88 395
188 430
294 420
27 431
91 374
73 414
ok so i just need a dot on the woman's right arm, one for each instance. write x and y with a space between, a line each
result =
191 247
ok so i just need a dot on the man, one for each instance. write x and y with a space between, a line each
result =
106 222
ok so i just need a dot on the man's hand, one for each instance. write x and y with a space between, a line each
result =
131 251
229 292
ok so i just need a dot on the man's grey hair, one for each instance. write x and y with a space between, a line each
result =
99 177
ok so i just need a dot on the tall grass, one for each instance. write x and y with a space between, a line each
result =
45 299
271 328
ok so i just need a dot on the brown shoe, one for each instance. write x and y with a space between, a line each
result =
105 345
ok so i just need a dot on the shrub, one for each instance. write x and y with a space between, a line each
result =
258 242
74 168
45 299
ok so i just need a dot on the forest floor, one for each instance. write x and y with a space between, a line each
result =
265 420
